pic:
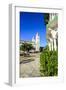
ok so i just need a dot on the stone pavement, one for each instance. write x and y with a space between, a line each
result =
29 66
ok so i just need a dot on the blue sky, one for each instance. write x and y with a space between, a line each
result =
30 24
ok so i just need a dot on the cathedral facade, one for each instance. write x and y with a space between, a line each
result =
36 42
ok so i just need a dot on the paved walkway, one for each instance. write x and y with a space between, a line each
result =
29 66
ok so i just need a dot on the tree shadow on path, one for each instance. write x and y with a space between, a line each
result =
26 61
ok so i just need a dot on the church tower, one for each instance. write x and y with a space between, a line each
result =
33 41
37 42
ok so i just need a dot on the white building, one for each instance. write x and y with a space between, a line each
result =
33 42
52 32
36 42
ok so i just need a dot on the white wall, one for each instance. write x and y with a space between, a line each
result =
4 42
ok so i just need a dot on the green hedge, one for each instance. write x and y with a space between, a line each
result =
49 63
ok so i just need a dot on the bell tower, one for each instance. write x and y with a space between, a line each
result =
37 42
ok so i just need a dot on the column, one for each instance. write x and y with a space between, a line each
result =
55 47
49 44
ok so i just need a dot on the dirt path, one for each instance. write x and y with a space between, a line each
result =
30 68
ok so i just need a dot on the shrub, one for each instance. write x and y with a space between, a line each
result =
49 63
